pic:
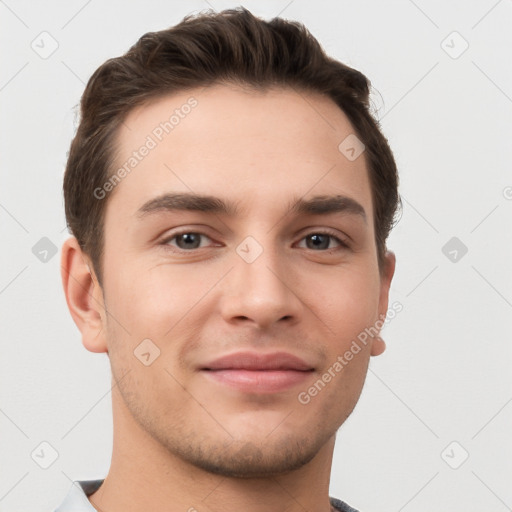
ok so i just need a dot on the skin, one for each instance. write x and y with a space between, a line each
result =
180 438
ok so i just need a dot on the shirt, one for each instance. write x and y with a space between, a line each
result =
76 499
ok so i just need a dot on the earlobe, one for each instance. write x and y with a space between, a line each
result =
83 296
378 346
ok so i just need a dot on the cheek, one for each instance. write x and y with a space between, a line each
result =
147 298
349 303
161 302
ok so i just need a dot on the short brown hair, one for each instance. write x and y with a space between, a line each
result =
209 48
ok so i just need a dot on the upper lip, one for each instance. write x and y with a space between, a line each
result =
258 361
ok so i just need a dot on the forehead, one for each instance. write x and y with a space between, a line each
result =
223 140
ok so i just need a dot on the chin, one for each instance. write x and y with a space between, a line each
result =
246 460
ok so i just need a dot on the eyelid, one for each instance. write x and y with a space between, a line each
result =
342 242
333 234
171 236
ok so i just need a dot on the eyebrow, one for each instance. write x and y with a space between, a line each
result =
317 205
187 201
325 205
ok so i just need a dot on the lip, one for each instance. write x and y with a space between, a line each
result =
258 361
258 373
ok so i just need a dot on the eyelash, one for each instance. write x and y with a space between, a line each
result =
342 244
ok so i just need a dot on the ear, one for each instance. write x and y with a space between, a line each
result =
84 296
378 345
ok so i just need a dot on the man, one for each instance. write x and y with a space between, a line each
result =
235 360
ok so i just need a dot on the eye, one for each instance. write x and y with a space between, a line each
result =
321 241
186 240
317 241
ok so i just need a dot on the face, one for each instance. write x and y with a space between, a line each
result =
247 299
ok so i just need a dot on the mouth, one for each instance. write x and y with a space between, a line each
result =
258 373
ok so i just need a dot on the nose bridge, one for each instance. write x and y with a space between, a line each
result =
259 267
260 287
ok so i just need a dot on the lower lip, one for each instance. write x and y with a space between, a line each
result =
259 381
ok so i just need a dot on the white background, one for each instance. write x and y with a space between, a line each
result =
446 375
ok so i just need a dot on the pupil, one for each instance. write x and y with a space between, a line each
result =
186 238
318 243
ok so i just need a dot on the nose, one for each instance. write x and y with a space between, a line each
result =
262 292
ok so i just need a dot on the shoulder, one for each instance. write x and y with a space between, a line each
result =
341 506
76 499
